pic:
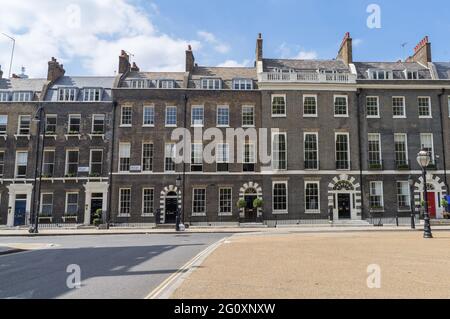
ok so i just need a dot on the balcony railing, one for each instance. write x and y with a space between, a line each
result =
307 77
402 165
376 165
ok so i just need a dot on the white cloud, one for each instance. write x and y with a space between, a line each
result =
234 64
286 52
210 38
90 33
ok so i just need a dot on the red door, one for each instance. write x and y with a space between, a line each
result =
432 205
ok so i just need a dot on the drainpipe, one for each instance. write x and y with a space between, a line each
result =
111 163
358 110
440 95
186 100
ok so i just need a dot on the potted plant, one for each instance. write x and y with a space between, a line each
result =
444 204
97 221
258 203
241 204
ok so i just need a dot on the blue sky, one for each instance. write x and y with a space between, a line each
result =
221 32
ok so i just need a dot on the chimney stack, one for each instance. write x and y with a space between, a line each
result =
135 68
346 50
259 48
55 70
124 62
190 59
422 52
1 72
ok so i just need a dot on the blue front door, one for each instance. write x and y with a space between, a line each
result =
20 212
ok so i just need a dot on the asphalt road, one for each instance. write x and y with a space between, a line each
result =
121 266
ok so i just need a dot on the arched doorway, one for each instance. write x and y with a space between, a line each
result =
170 203
171 208
251 213
344 195
436 191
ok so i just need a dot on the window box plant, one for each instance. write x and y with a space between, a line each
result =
241 204
403 167
375 166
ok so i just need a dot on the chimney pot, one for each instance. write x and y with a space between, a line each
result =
190 59
422 52
346 50
55 70
124 62
259 48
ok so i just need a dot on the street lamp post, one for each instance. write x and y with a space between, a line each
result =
413 214
424 159
179 214
38 118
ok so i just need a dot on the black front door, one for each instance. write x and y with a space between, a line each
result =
171 210
20 212
96 204
251 213
344 206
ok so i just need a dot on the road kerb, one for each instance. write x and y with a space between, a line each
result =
168 286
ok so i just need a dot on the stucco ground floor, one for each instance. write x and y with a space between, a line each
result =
211 199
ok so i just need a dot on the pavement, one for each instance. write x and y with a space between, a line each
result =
111 266
9 232
323 265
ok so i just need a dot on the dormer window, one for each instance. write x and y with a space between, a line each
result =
137 84
212 84
22 96
67 94
166 84
411 75
380 75
4 96
92 94
242 84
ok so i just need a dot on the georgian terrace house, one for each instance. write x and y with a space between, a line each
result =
342 135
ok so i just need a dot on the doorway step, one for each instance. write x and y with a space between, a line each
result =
350 223
86 227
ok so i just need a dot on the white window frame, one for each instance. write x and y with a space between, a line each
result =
16 169
174 150
223 107
22 96
197 107
152 157
382 192
348 149
66 206
429 107
19 126
448 100
166 84
404 107
211 83
47 117
143 214
432 145
222 213
380 153
90 160
273 153
41 204
66 168
242 115
274 211
405 135
137 84
92 94
122 124
144 108
5 96
128 145
305 96
378 107
241 82
313 211
336 96
171 107
44 162
68 93
119 213
317 151
93 120
193 202
408 194
4 116
285 105
71 116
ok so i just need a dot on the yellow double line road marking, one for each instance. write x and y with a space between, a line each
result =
166 284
